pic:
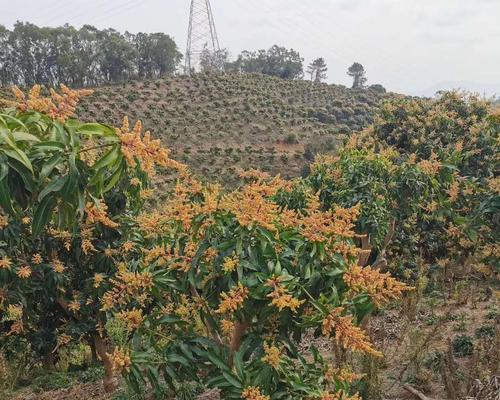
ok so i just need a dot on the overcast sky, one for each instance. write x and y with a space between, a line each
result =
407 45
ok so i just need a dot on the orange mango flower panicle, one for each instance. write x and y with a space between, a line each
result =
251 207
121 360
127 285
24 272
74 305
180 209
98 279
230 264
136 146
5 262
322 226
381 287
4 221
453 191
211 195
233 300
340 395
87 236
280 296
98 213
37 259
430 167
58 106
132 319
14 313
494 184
272 356
343 375
346 333
227 327
253 393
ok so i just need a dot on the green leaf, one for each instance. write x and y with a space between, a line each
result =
50 146
107 159
216 360
49 166
115 177
232 380
20 156
42 214
93 129
24 137
54 186
5 198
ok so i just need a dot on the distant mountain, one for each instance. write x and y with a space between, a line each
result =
487 89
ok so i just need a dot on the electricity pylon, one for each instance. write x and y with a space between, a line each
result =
201 34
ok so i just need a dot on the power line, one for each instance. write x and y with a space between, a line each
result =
128 6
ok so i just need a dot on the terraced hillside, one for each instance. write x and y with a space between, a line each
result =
218 124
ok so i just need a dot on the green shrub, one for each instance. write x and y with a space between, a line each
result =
463 346
52 381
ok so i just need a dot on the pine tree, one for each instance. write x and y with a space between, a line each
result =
357 71
317 69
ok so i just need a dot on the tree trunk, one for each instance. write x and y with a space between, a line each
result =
48 361
93 351
109 381
240 329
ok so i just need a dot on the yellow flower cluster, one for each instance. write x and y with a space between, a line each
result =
251 207
58 106
253 393
180 208
151 223
272 356
4 221
135 146
227 327
281 298
57 265
175 259
187 309
121 360
87 236
24 272
14 313
128 285
380 286
453 191
74 305
321 160
37 259
230 263
211 195
63 339
5 262
340 395
98 213
233 300
346 333
494 184
341 375
64 236
132 319
430 167
347 250
321 226
98 279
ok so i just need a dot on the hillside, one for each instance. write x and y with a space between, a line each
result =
218 124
